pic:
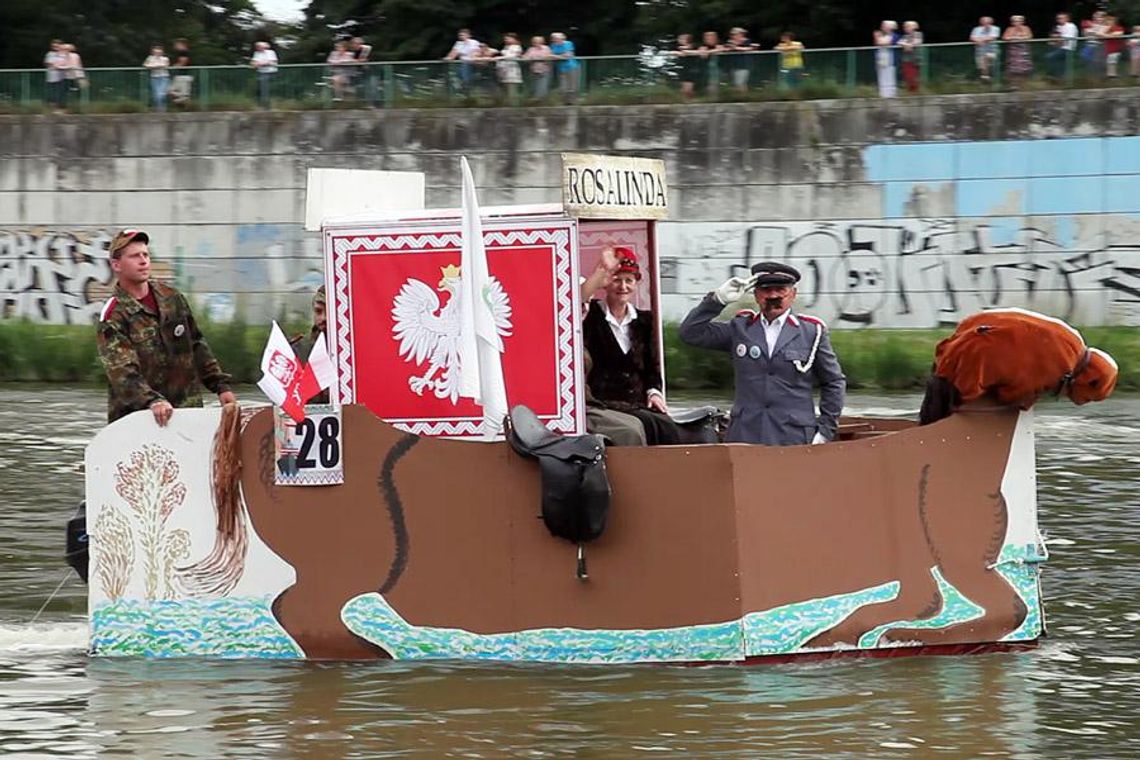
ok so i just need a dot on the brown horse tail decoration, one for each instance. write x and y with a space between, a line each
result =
218 572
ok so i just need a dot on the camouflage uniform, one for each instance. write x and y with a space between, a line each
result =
153 357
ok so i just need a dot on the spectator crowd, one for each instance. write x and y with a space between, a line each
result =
482 67
1100 47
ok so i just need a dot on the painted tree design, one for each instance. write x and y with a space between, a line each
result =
114 558
149 483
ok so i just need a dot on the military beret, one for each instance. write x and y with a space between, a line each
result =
773 273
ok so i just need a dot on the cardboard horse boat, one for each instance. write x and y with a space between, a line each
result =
206 540
897 538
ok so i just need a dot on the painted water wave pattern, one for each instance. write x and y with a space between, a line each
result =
956 608
1021 567
782 630
372 618
246 628
786 629
777 631
225 628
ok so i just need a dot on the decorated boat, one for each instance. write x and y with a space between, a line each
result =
390 524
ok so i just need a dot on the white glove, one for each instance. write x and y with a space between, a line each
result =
734 289
818 438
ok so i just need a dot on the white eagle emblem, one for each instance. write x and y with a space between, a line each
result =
428 333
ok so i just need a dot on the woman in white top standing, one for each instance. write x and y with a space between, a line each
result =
508 68
341 62
159 66
884 38
264 62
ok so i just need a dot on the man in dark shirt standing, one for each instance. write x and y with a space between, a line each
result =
363 75
183 83
739 61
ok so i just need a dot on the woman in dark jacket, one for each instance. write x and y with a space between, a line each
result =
626 374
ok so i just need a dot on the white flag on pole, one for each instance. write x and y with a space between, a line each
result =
480 347
282 372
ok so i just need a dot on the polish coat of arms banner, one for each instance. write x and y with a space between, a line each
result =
394 316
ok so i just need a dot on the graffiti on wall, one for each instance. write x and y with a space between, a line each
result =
52 276
1052 225
253 272
64 277
919 272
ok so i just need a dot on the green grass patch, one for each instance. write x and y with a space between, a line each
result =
871 359
40 353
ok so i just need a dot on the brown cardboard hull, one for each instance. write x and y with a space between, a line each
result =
888 539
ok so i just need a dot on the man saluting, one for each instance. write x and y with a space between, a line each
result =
778 357
149 344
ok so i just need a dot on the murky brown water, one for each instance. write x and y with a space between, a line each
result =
1073 697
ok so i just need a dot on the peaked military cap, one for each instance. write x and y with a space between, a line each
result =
773 273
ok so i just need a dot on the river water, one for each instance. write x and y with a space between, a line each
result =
1075 696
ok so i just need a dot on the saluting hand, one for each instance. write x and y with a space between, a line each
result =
734 288
609 260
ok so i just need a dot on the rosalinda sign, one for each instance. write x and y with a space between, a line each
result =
614 187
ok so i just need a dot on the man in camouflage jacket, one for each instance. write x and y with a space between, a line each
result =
149 343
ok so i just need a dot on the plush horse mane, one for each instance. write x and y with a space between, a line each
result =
1014 356
218 572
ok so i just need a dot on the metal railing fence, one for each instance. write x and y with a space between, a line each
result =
651 76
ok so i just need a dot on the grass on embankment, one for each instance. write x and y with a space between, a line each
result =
871 359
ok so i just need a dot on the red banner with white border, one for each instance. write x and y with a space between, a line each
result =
393 320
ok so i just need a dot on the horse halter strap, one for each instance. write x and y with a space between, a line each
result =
1068 378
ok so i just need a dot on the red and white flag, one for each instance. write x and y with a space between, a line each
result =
319 374
282 375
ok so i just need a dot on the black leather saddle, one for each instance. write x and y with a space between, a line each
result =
575 487
702 424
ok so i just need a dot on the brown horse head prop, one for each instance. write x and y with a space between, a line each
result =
1096 382
1013 356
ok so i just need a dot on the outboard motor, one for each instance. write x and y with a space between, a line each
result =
76 553
575 488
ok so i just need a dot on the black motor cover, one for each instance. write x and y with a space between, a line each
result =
76 554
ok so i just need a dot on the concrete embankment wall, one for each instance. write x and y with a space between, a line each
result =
903 213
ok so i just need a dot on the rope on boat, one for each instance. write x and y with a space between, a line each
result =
51 596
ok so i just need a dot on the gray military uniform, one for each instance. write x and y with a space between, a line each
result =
773 403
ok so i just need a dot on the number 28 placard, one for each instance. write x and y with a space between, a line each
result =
309 453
